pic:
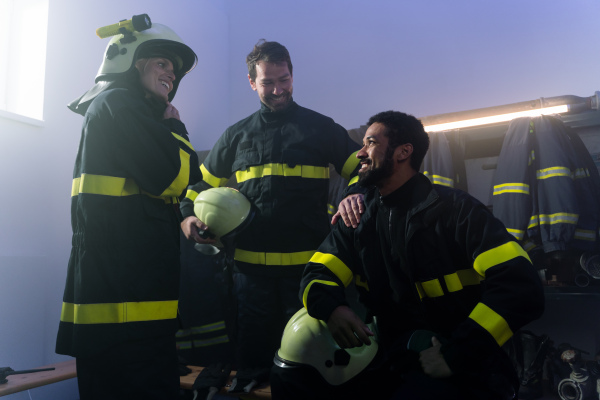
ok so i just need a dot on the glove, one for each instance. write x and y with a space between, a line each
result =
210 381
246 379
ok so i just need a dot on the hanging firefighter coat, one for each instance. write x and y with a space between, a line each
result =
123 275
545 186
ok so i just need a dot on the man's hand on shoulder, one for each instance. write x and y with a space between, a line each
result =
350 210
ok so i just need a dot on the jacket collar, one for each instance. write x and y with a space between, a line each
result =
270 116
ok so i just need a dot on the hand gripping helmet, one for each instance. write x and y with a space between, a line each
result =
225 210
130 42
306 341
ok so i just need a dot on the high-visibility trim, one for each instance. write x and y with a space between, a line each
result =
118 313
585 234
514 187
528 245
252 257
533 222
331 209
581 173
359 281
454 282
350 165
335 265
303 171
353 180
439 179
432 288
558 218
191 194
492 322
111 186
181 139
305 294
498 255
215 326
211 342
212 180
554 172
519 234
184 345
468 277
182 179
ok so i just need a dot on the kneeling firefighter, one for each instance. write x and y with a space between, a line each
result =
309 357
134 161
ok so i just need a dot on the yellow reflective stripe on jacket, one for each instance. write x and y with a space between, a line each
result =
182 179
551 219
350 165
117 313
211 179
252 257
519 234
181 139
305 294
110 186
353 180
304 171
439 179
454 282
584 234
492 322
511 188
498 255
331 209
554 172
191 194
335 265
212 327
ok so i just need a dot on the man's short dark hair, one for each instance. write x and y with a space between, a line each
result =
271 52
404 128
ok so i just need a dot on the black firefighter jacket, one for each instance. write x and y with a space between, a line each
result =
546 186
452 269
281 164
123 275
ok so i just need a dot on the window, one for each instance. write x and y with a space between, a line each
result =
23 36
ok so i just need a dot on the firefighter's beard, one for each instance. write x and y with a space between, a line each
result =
373 176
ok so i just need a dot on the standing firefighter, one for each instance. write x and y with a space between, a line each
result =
119 312
280 156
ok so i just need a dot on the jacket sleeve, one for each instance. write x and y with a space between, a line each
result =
512 292
215 172
328 273
156 154
343 158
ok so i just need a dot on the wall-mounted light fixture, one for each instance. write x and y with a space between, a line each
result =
496 118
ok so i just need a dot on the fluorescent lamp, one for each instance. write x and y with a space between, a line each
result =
496 118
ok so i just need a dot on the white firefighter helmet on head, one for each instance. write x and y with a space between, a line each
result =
306 341
224 210
127 46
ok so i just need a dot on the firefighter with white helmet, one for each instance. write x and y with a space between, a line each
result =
119 312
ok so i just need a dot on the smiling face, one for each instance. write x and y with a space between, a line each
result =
157 76
376 158
274 84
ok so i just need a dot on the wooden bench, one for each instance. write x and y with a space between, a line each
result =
20 382
262 392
